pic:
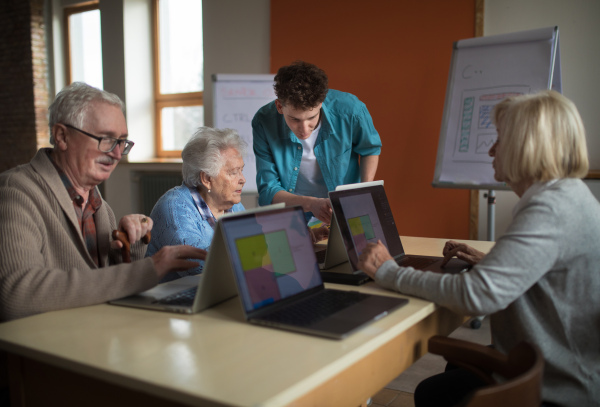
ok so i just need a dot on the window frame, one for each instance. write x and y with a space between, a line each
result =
68 12
161 100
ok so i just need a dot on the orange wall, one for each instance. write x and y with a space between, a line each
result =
395 56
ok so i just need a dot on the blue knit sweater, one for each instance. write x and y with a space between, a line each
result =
178 221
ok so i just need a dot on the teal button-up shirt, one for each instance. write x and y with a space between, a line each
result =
347 132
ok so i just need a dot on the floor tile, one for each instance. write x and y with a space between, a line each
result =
403 400
385 397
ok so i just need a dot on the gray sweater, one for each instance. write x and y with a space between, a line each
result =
539 283
44 263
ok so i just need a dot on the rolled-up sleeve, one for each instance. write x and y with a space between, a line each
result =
365 139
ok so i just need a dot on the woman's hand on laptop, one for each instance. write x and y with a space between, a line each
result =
372 257
176 258
461 251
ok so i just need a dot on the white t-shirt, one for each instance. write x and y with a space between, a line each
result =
310 179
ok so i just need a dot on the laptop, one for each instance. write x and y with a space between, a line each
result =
364 216
358 185
278 278
334 252
192 294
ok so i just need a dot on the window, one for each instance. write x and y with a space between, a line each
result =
178 74
83 44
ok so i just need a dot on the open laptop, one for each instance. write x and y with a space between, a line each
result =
192 294
279 282
334 252
364 216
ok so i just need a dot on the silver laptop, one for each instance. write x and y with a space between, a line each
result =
279 282
192 294
364 216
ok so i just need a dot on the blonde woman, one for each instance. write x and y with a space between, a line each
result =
541 280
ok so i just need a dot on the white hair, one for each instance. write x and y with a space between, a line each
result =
73 103
203 153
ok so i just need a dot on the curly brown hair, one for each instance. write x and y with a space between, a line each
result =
301 85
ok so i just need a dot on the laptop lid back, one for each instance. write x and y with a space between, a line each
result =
218 283
343 187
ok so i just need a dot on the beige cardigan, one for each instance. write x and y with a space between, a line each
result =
44 263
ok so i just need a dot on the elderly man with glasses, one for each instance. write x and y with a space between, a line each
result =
57 251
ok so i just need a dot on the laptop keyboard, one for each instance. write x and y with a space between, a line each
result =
418 263
185 297
316 307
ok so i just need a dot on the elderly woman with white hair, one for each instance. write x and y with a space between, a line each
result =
212 185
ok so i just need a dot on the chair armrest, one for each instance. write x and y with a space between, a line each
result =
479 359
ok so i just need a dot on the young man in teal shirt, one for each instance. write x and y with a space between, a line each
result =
310 140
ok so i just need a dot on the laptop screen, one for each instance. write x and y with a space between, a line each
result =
364 216
272 255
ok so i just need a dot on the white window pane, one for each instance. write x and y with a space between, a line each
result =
180 42
178 124
86 48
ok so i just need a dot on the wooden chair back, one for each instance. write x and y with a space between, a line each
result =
521 371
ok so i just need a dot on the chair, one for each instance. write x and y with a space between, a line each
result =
522 370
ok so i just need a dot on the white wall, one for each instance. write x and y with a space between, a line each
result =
579 31
237 37
139 81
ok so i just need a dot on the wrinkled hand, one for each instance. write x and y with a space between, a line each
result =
372 257
136 226
320 233
461 251
321 209
176 258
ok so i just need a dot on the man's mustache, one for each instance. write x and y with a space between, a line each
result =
106 160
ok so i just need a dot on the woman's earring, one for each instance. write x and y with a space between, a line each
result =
209 191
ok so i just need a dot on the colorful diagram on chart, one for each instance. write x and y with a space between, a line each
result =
476 131
362 231
264 259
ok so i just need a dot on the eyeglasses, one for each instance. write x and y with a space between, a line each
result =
108 144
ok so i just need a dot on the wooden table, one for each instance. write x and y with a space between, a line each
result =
106 355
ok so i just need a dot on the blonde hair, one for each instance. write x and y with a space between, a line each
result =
542 138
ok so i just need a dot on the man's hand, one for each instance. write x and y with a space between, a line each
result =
136 226
461 251
321 209
176 258
372 257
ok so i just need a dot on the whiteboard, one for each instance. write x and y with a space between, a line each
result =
237 98
484 71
